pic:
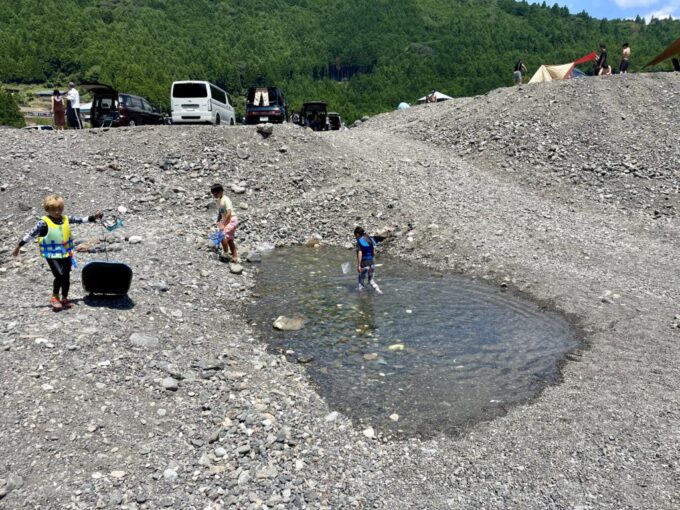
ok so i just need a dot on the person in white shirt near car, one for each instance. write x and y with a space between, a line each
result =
73 107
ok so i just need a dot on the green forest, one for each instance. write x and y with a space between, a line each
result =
361 56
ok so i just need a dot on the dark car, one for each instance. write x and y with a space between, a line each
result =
266 104
313 115
334 121
112 108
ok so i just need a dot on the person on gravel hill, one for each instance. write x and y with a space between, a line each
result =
602 66
56 246
226 221
517 73
625 59
365 249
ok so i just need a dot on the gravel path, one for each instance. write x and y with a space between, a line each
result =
170 401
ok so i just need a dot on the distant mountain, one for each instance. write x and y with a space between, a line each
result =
362 56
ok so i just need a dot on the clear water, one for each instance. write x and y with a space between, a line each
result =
469 350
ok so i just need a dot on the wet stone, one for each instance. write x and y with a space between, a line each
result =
283 323
254 257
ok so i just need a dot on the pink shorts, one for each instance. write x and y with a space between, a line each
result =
230 229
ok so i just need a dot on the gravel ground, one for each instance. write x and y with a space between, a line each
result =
168 400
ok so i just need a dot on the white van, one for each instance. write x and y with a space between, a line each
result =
200 102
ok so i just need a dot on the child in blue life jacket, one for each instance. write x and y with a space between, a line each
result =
365 249
56 245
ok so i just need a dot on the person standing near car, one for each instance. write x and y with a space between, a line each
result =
73 98
58 109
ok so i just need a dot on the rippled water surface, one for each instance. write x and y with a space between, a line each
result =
439 352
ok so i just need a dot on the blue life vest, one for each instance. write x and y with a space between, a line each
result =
366 244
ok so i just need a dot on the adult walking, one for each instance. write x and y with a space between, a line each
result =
73 111
602 66
625 59
58 110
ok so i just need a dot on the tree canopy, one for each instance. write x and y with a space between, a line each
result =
361 56
10 115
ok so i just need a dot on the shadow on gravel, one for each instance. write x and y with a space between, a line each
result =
116 303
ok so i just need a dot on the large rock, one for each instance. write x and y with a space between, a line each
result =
170 384
313 242
254 257
265 129
283 323
144 340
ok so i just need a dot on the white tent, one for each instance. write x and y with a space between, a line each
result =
559 72
550 73
438 95
403 106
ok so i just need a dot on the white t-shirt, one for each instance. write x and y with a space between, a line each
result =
223 206
73 96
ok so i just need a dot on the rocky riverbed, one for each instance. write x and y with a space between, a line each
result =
170 400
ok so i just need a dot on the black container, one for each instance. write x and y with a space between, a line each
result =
109 278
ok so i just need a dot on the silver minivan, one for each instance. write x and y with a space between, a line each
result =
200 102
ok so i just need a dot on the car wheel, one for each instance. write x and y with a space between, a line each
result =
218 121
233 122
132 123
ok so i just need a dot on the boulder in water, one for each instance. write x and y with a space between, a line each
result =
283 323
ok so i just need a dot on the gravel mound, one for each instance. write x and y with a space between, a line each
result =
169 400
614 138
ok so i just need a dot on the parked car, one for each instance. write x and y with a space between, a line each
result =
313 115
40 127
334 121
85 111
266 104
112 108
196 102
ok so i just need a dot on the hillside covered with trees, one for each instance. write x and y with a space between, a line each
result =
362 56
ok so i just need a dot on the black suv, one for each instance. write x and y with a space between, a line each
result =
266 104
314 115
111 108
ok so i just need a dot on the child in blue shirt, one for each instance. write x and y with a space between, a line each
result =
365 249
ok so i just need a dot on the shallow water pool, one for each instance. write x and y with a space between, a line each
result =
430 356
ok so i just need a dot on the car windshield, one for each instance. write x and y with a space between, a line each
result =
189 90
105 103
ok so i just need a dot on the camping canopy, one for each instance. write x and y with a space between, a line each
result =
438 95
671 51
559 72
